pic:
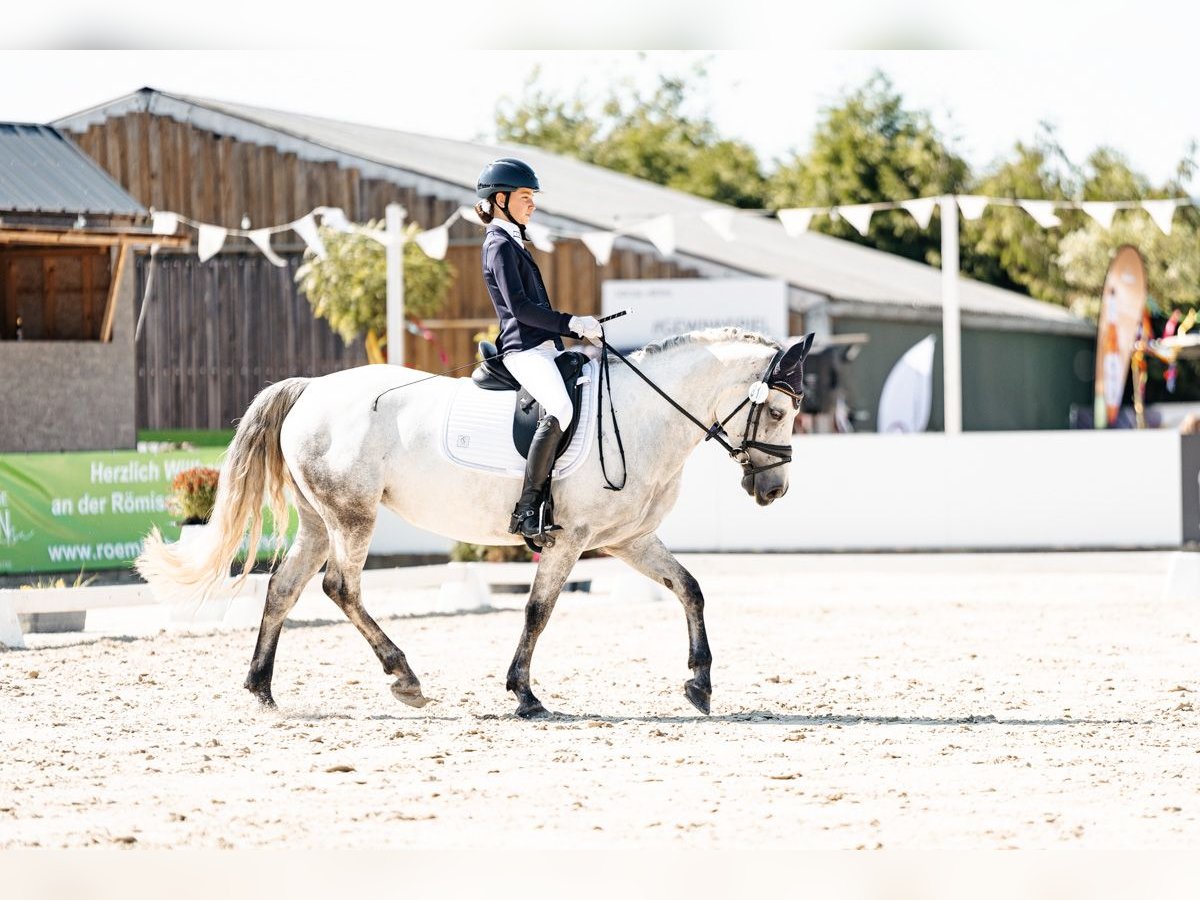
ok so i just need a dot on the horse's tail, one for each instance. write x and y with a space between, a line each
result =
253 466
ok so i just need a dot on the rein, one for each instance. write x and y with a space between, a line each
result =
716 432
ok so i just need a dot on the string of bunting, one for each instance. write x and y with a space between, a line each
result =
660 230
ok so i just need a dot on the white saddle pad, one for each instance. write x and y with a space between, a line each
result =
478 432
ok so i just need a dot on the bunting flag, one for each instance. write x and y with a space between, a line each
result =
600 243
921 209
434 242
720 221
659 231
468 213
212 239
1161 211
1042 212
164 222
971 207
262 240
1102 212
539 235
796 221
334 217
306 227
859 215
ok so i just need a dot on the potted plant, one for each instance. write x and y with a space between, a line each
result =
193 493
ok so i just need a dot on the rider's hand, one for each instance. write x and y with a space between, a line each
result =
587 327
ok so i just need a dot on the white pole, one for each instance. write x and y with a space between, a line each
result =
951 330
395 283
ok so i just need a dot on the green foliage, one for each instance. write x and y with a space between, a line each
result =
653 137
46 584
463 552
348 288
193 495
869 147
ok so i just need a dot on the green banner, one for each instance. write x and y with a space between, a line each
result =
63 512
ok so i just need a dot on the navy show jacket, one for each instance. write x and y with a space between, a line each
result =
515 285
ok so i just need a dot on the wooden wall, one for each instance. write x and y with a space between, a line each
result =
217 333
201 364
60 293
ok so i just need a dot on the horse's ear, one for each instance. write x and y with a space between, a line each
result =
789 371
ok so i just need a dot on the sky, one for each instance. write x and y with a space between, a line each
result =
1137 99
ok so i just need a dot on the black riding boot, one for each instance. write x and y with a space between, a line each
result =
526 518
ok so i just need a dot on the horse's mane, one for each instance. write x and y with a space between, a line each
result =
707 336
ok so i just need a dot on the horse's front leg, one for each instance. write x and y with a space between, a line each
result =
648 555
555 565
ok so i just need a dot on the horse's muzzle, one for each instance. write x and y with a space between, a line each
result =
765 492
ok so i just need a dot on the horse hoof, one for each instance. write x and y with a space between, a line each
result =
533 710
408 695
698 696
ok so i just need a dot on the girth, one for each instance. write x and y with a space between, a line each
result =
493 375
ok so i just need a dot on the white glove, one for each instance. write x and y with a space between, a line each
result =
587 327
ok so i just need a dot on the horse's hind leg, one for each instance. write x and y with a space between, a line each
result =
648 555
351 538
303 560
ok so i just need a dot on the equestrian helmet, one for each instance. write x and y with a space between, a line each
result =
506 174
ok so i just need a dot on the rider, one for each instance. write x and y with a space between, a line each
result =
530 328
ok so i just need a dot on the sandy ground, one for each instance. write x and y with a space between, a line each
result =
900 702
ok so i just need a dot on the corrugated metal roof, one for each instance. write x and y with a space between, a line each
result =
41 171
590 197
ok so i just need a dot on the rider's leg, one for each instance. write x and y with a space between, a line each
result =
537 373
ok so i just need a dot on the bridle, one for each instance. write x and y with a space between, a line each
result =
756 397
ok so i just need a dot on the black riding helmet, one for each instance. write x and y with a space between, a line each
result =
506 174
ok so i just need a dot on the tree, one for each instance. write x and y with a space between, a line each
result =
348 288
869 147
654 138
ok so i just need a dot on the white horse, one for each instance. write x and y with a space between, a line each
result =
340 455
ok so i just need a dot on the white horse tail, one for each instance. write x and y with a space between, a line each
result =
253 466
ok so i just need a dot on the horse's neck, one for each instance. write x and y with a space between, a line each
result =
708 380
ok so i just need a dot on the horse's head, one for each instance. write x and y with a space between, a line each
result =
767 441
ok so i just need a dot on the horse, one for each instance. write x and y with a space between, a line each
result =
343 444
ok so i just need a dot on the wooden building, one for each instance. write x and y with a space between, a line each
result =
218 331
68 234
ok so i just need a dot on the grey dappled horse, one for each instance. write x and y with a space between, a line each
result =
321 441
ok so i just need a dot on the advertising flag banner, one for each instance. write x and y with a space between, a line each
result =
72 512
1121 308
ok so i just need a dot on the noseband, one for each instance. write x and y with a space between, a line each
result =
715 432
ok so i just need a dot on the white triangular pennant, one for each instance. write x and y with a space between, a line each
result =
434 242
334 217
660 231
971 206
306 227
720 221
468 213
1042 212
1100 211
920 209
262 240
539 235
858 215
795 221
164 222
600 243
212 239
1161 211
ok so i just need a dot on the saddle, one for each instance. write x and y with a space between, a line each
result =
492 375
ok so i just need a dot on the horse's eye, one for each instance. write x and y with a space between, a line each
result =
776 414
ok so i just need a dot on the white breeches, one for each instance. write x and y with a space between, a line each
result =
538 374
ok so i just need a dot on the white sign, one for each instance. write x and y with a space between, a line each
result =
666 307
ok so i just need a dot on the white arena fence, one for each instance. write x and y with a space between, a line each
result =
460 587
